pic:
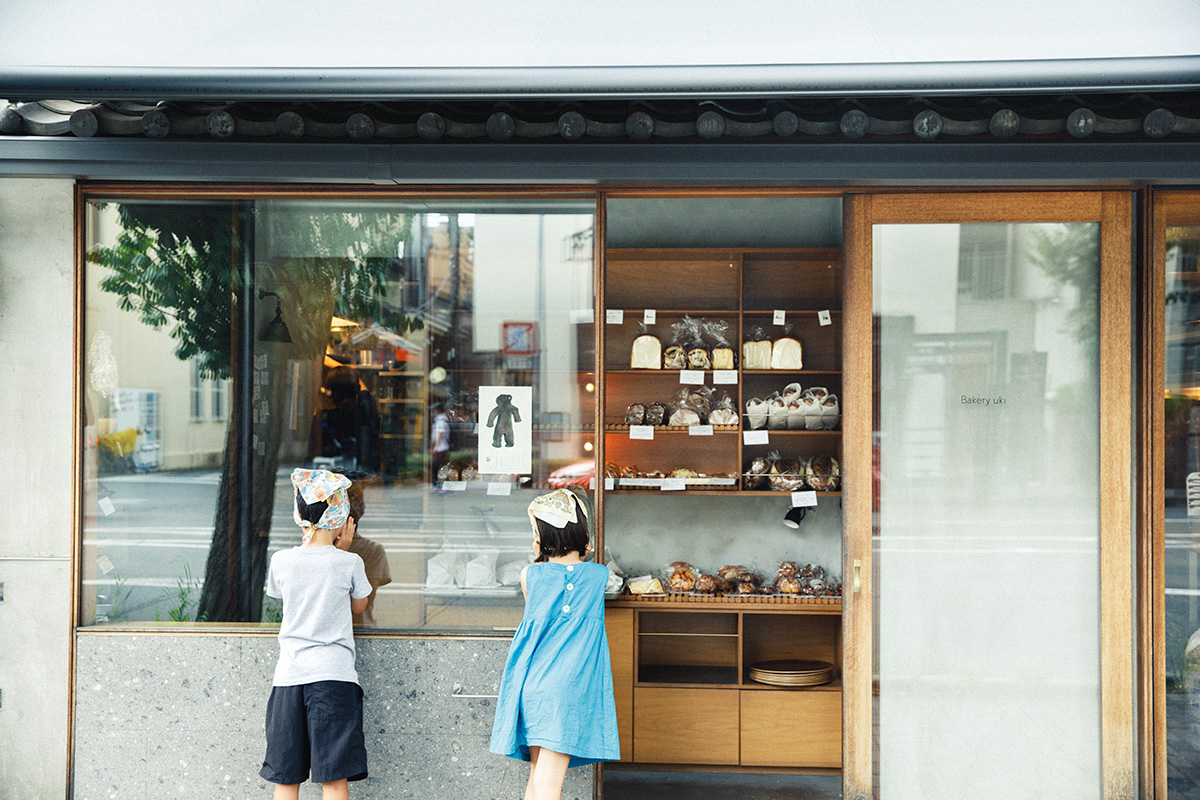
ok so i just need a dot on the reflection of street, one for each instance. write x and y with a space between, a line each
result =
155 540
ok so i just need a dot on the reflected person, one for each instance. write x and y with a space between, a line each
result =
372 553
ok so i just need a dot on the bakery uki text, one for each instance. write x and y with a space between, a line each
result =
999 400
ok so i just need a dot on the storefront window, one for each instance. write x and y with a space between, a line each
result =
440 353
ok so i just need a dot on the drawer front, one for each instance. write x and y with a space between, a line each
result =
685 726
619 625
791 728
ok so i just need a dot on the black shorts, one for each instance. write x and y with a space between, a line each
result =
318 726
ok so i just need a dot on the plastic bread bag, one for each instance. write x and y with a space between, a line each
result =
787 579
682 411
786 352
700 398
616 576
756 350
675 354
756 413
510 574
679 577
448 472
698 356
469 471
611 470
723 356
776 413
823 474
441 569
480 571
646 585
723 411
656 414
755 474
812 408
795 411
707 584
786 475
647 350
831 413
635 414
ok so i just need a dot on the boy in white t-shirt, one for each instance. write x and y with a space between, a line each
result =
314 715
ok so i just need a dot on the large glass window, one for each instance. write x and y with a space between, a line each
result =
439 353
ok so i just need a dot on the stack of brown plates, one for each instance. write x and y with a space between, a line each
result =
792 672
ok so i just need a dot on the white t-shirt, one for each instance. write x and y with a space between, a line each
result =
316 638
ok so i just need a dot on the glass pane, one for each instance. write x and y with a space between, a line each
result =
438 354
1182 489
158 320
987 538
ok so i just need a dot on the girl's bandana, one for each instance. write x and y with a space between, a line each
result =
315 485
557 508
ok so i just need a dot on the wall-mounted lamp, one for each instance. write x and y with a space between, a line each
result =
276 330
794 516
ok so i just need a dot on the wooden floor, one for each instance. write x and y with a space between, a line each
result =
637 785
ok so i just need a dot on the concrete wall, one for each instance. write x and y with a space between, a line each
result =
181 716
36 351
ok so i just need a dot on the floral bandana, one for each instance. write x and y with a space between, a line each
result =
557 508
315 485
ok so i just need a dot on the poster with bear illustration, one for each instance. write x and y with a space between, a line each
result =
506 430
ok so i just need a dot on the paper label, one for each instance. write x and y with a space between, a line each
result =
725 376
105 564
592 483
106 506
802 499
614 316
673 484
582 316
454 486
700 430
654 482
645 432
649 316
610 484
755 437
779 316
501 489
692 376
824 317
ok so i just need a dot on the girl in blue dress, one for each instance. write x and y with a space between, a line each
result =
556 707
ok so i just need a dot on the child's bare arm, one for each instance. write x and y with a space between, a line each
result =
359 605
524 592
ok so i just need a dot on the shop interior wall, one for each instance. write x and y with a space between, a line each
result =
36 352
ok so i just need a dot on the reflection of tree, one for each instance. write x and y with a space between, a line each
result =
179 266
1069 254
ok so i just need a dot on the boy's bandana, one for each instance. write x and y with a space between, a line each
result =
315 485
557 508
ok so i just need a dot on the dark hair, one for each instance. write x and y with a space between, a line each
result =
560 541
310 512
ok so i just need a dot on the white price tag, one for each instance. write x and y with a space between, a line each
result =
107 506
824 317
501 489
673 484
649 316
454 486
582 316
779 316
614 316
610 484
691 376
755 437
592 483
724 376
105 564
645 432
700 430
802 499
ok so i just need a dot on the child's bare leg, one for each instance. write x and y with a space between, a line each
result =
335 790
533 759
547 776
287 791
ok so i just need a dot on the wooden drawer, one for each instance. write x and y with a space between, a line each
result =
685 726
791 728
619 625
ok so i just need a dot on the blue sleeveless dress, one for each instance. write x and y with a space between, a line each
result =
557 689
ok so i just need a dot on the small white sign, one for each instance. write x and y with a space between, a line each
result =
610 484
755 437
649 316
691 376
700 430
728 376
645 432
803 499
500 489
582 316
824 317
614 316
779 316
105 564
107 506
454 486
1193 494
592 483
674 484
